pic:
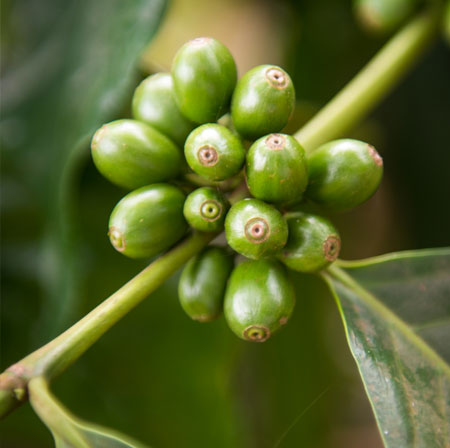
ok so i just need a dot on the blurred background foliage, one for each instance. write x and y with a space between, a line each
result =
68 67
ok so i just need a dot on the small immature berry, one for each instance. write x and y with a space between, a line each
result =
276 169
343 174
214 152
148 221
205 209
259 299
255 229
202 283
262 102
204 75
154 103
313 242
384 15
446 22
227 121
132 154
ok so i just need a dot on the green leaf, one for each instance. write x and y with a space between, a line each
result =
396 313
76 70
68 430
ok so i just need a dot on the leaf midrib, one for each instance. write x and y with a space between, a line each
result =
431 324
393 256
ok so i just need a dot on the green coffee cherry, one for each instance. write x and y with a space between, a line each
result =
343 174
148 221
132 154
204 75
255 229
259 299
384 15
262 102
214 152
205 209
154 103
227 121
202 283
276 169
446 22
313 242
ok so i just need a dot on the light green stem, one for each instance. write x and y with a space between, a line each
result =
371 84
54 357
341 113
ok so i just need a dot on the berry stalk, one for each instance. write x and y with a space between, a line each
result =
372 83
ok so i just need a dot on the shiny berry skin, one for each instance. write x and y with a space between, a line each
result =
204 75
205 209
262 102
276 169
132 154
202 283
147 221
214 152
255 229
343 174
154 103
259 299
313 243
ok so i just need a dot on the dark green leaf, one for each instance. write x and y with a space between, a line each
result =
68 430
396 312
76 70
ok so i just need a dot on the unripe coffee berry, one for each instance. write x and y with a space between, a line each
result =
148 221
154 103
255 229
214 152
132 154
262 102
446 22
313 242
343 174
204 75
259 299
227 121
384 15
205 209
202 283
276 169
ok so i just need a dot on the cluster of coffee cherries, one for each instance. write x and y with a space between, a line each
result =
229 129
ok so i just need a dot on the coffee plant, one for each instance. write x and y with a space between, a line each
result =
219 186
